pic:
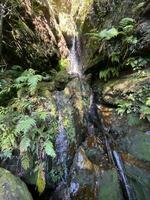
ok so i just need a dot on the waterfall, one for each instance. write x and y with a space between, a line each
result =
75 65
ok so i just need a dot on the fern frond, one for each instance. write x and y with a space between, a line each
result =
41 182
49 149
25 162
29 79
21 104
24 144
32 83
25 124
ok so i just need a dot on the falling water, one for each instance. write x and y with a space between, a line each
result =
75 66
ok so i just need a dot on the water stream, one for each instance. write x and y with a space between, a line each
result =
75 67
93 118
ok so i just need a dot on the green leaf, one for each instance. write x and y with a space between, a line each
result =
28 79
107 73
145 110
24 144
148 101
49 149
25 162
131 40
42 115
41 182
127 21
7 154
25 124
108 34
128 29
32 83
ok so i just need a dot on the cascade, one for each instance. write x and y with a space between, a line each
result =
75 65
95 121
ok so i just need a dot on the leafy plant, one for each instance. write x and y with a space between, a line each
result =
117 60
124 106
63 63
25 124
137 103
127 24
136 63
108 34
105 34
28 126
108 73
28 79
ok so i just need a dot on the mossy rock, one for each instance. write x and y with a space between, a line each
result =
115 90
137 145
12 188
139 180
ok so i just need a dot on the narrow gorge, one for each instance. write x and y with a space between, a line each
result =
74 100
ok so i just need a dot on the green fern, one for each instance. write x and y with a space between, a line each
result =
25 162
124 106
33 82
105 34
25 124
21 104
108 73
25 144
108 34
148 101
127 22
28 79
49 149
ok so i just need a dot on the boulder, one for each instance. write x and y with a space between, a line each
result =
12 188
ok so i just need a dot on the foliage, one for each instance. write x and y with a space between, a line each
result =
41 179
120 58
28 80
63 63
127 24
136 63
108 73
49 149
105 34
27 125
124 106
137 102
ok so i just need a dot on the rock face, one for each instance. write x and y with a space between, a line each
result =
31 33
82 168
130 133
107 14
12 188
